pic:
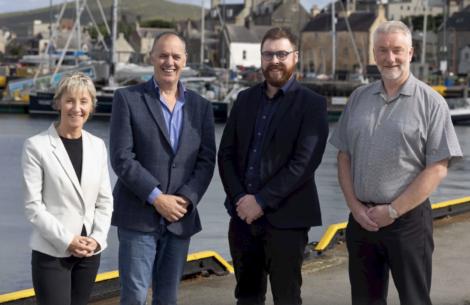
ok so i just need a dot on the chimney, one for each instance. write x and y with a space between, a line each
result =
314 11
249 23
215 3
380 11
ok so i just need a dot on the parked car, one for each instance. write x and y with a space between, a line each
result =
204 70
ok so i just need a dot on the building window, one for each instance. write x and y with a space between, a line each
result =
346 53
408 8
320 69
345 67
229 13
401 7
214 13
322 53
310 53
244 54
392 17
316 36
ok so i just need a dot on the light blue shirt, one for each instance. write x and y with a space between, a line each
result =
174 123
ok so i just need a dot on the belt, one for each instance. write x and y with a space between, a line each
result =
372 204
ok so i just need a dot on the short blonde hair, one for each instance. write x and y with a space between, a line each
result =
71 82
393 27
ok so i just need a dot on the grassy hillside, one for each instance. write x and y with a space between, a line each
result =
147 9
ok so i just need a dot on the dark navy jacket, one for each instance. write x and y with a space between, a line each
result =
142 157
292 151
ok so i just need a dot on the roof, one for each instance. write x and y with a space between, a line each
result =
358 21
238 33
236 9
460 21
263 7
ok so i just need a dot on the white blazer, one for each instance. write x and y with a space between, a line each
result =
54 201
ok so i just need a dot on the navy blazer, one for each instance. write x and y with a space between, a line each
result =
293 150
142 157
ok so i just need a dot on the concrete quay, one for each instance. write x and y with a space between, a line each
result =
326 279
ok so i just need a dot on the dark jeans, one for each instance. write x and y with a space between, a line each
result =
159 256
63 280
405 248
260 249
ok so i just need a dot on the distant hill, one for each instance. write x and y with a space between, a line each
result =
18 22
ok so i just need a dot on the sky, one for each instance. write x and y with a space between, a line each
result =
7 6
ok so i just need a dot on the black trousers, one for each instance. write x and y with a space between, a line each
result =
259 250
63 280
405 248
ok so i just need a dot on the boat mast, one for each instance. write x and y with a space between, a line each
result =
114 33
423 47
79 43
333 39
202 33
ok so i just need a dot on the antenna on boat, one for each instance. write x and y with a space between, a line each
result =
333 39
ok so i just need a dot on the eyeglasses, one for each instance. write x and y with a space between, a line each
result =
281 55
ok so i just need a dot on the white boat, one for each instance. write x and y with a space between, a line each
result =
459 109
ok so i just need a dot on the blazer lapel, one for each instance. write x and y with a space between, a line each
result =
248 119
188 112
286 102
91 166
64 159
153 102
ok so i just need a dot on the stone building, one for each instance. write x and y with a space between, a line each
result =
141 40
457 38
316 41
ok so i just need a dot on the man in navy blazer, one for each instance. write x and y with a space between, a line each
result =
162 148
272 144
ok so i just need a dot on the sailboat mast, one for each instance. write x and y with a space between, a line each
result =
333 38
114 33
423 48
202 33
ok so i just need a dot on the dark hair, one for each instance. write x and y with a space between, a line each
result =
279 33
166 33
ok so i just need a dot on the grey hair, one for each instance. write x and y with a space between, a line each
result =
393 27
166 33
71 82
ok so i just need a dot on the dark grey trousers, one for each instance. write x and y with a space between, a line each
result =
403 248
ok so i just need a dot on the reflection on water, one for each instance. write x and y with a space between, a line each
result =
15 256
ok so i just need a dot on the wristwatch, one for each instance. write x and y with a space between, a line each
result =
392 213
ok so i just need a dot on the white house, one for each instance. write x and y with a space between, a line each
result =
244 45
464 65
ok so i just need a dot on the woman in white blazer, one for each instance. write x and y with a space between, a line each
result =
67 198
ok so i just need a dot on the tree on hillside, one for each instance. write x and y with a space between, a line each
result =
123 27
417 22
157 23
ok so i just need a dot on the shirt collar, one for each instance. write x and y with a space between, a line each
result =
181 89
284 88
406 89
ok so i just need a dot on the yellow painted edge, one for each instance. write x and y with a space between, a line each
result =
330 233
450 202
325 240
107 276
206 254
23 294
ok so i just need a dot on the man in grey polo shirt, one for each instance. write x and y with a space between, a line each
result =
396 141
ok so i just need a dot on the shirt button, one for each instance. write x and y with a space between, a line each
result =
259 133
264 117
378 124
173 166
373 143
254 150
251 167
367 185
249 184
385 105
81 213
368 164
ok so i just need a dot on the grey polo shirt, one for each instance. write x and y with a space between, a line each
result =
391 142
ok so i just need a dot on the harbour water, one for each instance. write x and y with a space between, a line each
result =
15 256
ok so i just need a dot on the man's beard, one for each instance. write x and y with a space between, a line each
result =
278 81
392 75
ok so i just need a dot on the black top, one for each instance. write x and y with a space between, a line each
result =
74 148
